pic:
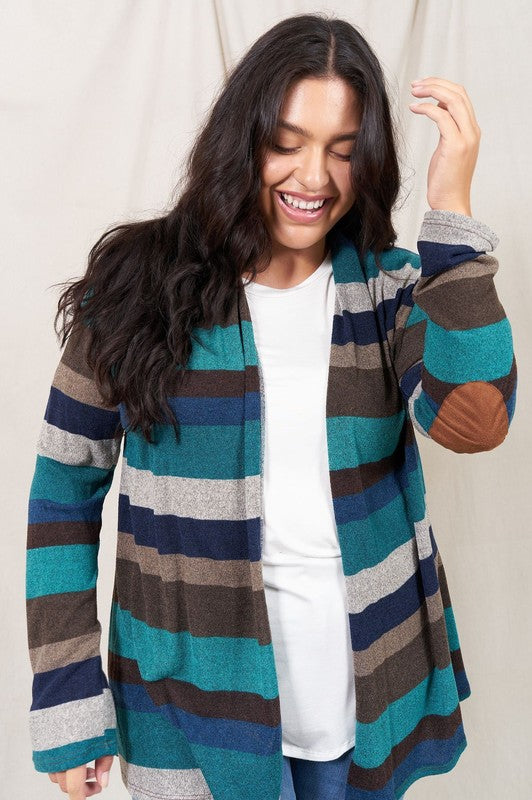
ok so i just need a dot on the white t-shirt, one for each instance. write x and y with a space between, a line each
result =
302 566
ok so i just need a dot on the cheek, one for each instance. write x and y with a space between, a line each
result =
347 196
274 171
343 181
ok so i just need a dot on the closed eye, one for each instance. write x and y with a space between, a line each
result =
293 150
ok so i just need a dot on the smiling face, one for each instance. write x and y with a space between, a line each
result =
318 122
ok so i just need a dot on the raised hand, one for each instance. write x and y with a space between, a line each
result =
453 162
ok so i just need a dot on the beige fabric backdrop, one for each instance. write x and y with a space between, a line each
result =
99 104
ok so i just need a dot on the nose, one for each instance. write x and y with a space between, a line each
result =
312 171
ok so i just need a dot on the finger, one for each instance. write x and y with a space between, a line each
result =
92 787
446 125
103 766
459 89
451 102
75 783
77 793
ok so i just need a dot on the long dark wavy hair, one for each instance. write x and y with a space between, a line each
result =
149 283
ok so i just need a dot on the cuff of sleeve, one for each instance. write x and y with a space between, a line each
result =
68 756
450 227
71 733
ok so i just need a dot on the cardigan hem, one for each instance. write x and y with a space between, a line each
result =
142 794
421 772
436 769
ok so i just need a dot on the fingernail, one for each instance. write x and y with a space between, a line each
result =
418 80
105 779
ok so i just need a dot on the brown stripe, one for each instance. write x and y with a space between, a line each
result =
190 569
46 534
74 355
362 392
401 672
433 726
215 382
372 356
461 300
356 479
75 610
409 345
181 606
392 641
456 655
244 706
80 388
61 653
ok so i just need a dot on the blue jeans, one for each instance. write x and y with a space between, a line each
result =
315 780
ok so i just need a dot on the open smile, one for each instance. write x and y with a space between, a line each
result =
301 214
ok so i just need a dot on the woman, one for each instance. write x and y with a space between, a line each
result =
264 365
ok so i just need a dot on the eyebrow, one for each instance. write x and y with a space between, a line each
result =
342 137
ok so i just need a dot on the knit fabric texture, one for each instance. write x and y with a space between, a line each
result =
190 702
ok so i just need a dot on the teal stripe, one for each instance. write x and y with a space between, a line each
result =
436 694
204 451
209 662
152 741
416 315
58 759
221 765
346 264
452 632
424 411
68 483
366 542
478 354
61 568
353 441
217 345
391 260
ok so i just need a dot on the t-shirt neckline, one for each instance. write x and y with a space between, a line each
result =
260 288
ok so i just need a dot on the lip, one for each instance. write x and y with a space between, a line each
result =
307 197
301 215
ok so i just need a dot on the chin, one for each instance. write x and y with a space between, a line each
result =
299 239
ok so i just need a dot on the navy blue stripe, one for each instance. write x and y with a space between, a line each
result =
82 418
198 538
392 610
361 504
75 681
43 510
437 257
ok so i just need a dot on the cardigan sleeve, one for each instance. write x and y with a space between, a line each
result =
72 718
452 348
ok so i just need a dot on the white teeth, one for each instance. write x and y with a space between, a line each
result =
298 203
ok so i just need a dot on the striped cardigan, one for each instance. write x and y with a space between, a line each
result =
190 702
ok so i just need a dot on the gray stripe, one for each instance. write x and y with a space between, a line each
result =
414 396
77 450
72 722
199 498
373 583
449 227
145 783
